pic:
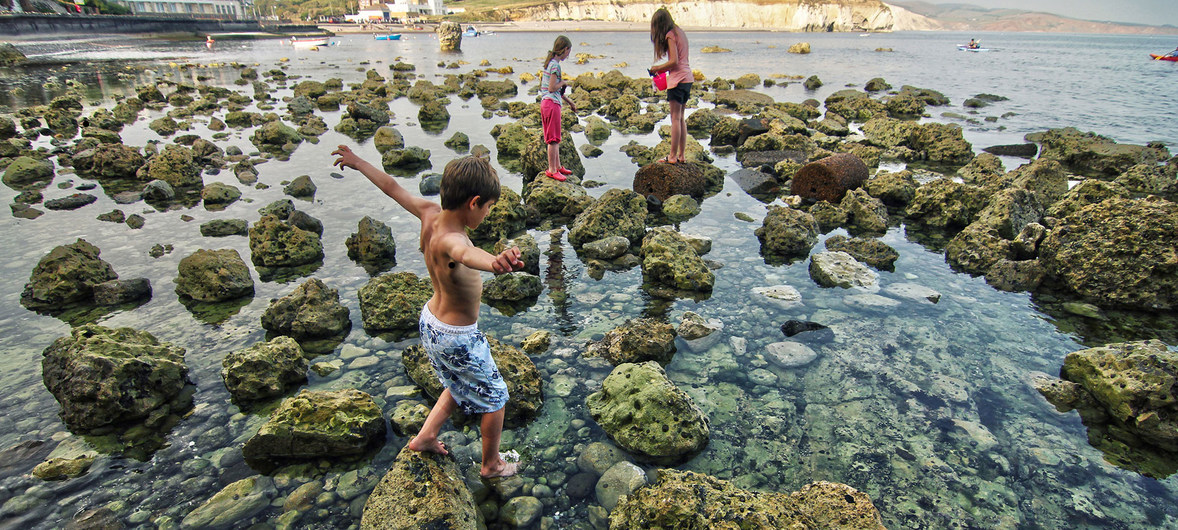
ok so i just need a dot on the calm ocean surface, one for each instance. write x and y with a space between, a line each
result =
927 408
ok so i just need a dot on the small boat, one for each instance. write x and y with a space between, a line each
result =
394 36
1164 57
310 42
966 48
471 32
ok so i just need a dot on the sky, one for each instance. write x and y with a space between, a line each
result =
1152 12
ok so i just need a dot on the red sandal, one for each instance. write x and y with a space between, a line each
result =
564 171
555 176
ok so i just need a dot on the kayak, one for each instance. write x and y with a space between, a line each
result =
965 48
1164 57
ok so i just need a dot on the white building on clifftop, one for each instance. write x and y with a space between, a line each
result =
402 10
226 9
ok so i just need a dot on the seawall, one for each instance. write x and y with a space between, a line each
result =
33 24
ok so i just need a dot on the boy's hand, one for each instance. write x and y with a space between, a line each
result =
507 261
346 157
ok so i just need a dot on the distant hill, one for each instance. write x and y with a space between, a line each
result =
967 17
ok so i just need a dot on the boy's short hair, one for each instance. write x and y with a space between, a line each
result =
468 177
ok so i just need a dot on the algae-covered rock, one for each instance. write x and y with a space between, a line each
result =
440 497
264 370
274 135
647 415
275 243
946 204
319 424
387 139
941 143
407 161
1088 192
618 212
1093 155
512 287
373 244
702 501
870 251
1133 382
549 198
865 214
393 301
66 275
104 376
214 276
302 187
220 194
787 233
524 385
312 311
175 166
636 341
234 505
28 172
668 260
506 218
109 161
10 55
1119 252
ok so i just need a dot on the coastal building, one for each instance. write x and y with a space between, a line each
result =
399 10
227 9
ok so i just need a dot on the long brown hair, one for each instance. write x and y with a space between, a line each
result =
660 24
562 43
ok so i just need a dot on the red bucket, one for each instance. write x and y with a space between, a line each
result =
660 80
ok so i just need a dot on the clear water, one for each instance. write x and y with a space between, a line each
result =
927 408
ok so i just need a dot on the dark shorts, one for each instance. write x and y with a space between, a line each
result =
680 93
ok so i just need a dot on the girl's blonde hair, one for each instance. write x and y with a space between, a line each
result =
562 43
660 24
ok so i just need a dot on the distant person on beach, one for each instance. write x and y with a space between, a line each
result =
670 42
458 352
552 87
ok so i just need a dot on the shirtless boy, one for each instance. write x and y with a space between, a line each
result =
458 351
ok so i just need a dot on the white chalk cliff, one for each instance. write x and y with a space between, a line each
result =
782 15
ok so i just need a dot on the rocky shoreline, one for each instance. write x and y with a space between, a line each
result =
1088 217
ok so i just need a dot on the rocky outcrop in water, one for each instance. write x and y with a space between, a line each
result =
27 172
1093 155
214 276
372 245
393 301
275 243
65 276
787 233
450 36
524 385
664 180
264 370
636 341
312 311
440 499
506 218
319 424
670 262
103 376
618 212
10 55
702 501
647 415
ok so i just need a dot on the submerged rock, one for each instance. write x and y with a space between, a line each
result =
104 376
319 424
647 415
234 504
264 370
214 276
114 292
839 269
636 341
440 497
66 275
870 251
312 311
701 501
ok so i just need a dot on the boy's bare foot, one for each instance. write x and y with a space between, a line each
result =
505 469
428 446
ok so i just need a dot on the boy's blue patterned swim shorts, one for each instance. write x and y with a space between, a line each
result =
461 357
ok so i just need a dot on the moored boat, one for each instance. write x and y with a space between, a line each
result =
309 42
394 36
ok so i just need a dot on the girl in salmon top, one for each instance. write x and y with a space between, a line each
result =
670 42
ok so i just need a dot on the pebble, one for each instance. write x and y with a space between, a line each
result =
363 362
789 354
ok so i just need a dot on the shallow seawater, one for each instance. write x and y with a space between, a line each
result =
926 407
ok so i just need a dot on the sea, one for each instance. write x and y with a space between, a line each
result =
929 408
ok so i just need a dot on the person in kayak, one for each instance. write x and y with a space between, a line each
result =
974 44
1172 54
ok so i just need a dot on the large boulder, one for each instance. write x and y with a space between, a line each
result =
66 275
839 269
870 251
27 172
275 243
549 198
214 276
830 178
505 219
669 261
946 204
664 180
103 376
618 212
941 143
702 501
787 233
1120 252
312 311
175 166
512 287
534 157
524 385
894 189
408 161
264 370
450 36
393 301
1090 191
439 498
865 214
636 341
1093 155
647 415
372 245
319 424
387 139
274 135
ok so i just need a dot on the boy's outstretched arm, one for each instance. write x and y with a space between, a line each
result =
411 203
459 249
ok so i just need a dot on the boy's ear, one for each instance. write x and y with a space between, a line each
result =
473 202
